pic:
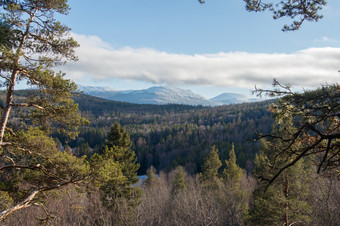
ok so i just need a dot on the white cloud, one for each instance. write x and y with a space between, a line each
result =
308 68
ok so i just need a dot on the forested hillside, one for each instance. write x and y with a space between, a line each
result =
197 152
166 136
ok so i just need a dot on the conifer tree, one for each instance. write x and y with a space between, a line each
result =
313 128
118 151
179 183
118 137
232 174
32 43
151 178
297 11
236 196
210 168
284 202
118 147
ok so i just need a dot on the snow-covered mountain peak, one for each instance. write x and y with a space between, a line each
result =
163 95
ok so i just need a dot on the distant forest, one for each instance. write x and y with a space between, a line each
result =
166 136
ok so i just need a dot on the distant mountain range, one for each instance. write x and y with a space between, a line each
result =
161 95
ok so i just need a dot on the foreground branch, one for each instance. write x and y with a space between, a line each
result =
27 105
293 162
19 167
27 202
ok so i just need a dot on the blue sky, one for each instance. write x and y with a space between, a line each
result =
211 48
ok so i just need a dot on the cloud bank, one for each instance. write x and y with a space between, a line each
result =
308 68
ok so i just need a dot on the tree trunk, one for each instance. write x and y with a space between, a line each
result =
286 190
8 107
12 80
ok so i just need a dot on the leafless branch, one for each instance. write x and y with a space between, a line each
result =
27 201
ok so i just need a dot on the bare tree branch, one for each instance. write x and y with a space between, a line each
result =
27 201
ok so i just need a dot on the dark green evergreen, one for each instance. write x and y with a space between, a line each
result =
118 152
118 147
308 125
151 178
232 174
285 201
118 137
179 184
237 195
212 163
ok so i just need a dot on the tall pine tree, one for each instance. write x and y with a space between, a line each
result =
32 43
284 202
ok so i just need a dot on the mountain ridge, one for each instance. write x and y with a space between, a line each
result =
161 95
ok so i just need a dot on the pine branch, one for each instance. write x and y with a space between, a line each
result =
27 201
293 162
19 167
27 105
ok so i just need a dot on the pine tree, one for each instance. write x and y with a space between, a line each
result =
284 202
32 43
291 9
312 128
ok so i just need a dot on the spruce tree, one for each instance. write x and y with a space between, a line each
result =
236 197
179 184
151 178
118 150
118 137
212 163
232 174
118 147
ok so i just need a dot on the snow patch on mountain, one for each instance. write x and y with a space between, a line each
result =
154 95
163 95
230 98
